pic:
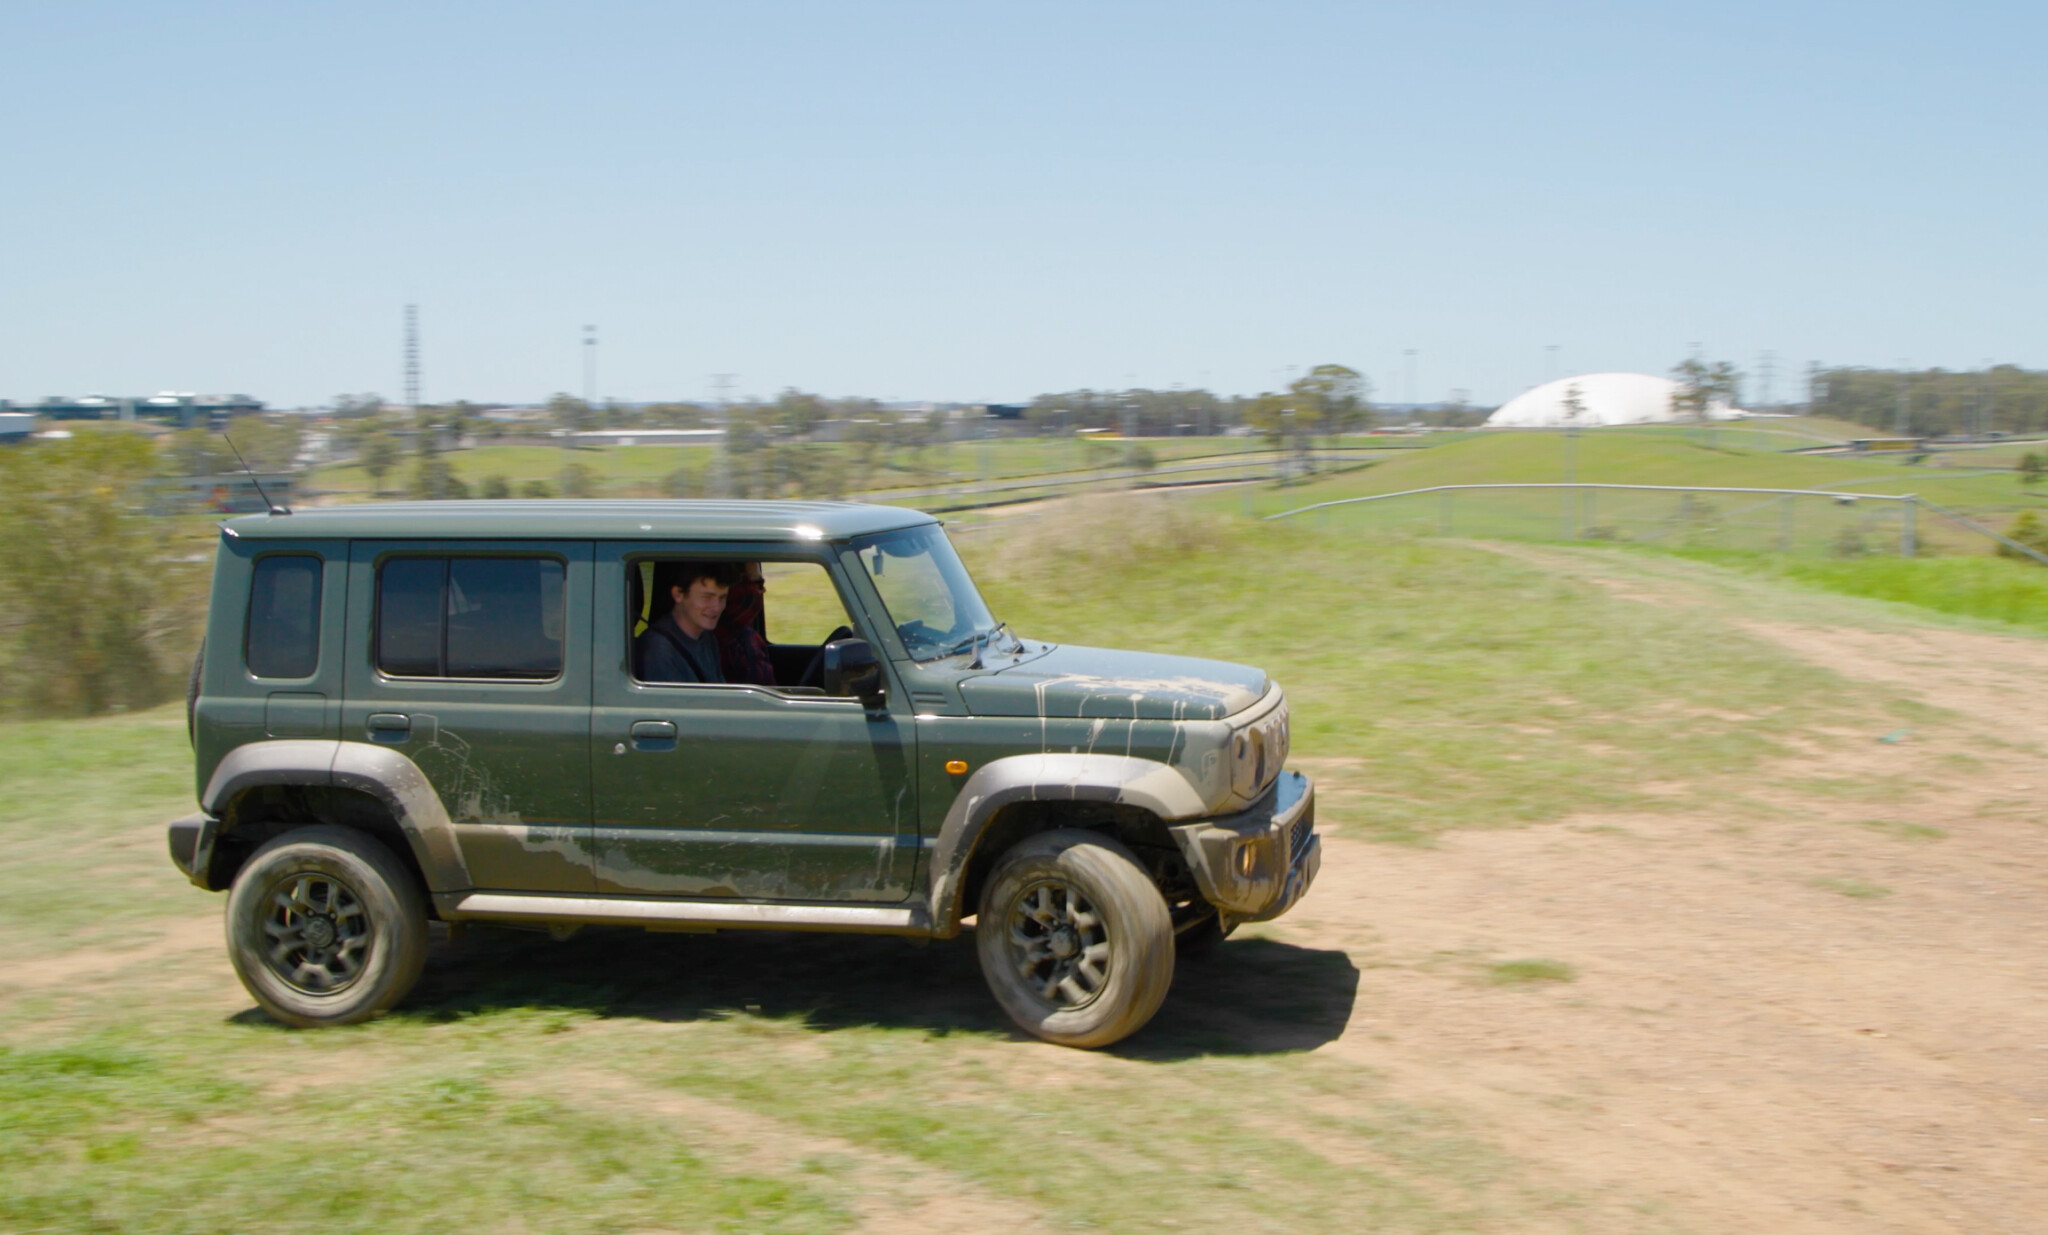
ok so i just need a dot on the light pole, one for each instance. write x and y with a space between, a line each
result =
590 368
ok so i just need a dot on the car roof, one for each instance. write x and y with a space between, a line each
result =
595 520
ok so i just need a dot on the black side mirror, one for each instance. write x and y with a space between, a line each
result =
851 669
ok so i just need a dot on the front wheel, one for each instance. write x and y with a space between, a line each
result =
1075 940
326 927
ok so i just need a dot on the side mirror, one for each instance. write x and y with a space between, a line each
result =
851 669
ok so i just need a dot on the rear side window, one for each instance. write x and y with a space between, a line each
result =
485 617
283 639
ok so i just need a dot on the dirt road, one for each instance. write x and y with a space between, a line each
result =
1831 1015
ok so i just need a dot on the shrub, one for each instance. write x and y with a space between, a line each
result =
92 616
2028 530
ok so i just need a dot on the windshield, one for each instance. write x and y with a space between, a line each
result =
930 597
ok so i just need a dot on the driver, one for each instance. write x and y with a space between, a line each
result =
679 646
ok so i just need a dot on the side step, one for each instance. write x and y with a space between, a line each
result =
679 915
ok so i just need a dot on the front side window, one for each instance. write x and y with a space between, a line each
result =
495 617
931 600
283 638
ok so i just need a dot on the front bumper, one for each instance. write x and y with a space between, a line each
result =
1256 864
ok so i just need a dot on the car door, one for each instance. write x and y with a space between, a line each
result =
474 663
743 791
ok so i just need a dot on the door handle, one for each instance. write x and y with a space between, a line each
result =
654 735
389 726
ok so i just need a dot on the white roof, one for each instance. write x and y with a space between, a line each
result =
1607 399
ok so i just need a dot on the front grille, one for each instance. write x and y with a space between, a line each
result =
1297 843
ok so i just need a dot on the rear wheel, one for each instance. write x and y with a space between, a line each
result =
326 927
1075 940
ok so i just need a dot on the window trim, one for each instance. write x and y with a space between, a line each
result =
632 561
447 559
319 617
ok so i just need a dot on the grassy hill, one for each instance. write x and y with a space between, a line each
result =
1654 456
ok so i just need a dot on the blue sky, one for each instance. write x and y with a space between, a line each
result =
975 200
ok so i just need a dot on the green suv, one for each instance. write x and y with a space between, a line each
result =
406 712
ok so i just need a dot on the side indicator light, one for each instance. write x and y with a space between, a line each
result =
956 766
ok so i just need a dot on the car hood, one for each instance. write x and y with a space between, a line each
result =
1068 681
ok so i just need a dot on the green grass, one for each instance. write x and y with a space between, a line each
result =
2010 591
1901 830
1856 889
1650 457
1466 687
1531 972
641 469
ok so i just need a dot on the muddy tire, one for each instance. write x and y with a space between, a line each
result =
326 927
1075 940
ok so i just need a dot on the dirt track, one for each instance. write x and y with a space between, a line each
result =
1833 1018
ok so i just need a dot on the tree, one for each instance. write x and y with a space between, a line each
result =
1330 399
2033 467
571 413
93 614
1702 387
1574 406
378 454
578 480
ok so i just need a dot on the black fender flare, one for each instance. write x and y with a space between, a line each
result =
1051 777
378 771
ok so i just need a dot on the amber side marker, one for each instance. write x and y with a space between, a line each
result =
956 766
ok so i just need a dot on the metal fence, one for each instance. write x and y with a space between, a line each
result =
1815 522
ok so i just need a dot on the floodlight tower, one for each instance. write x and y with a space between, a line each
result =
412 360
590 367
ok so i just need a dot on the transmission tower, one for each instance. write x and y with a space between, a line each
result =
412 359
1766 373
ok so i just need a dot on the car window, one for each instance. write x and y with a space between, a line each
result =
930 597
283 635
498 617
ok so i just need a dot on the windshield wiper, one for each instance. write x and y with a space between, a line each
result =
980 640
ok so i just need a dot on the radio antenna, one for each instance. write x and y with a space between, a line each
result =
268 506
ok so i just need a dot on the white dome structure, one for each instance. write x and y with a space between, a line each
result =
1608 399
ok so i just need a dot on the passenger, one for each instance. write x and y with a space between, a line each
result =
743 632
679 645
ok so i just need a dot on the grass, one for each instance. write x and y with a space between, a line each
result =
1901 830
2009 591
1478 690
1857 889
624 1080
641 469
1532 972
1651 457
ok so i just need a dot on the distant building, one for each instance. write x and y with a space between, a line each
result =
16 426
1604 399
184 410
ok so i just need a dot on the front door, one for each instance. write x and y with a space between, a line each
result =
477 668
750 792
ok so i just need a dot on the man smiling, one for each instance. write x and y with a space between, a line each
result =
679 646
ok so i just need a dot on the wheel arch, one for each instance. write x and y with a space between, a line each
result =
1008 799
263 789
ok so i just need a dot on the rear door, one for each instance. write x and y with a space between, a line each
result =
476 666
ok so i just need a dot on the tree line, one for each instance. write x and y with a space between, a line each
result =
2004 399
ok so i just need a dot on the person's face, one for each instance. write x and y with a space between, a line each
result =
698 609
